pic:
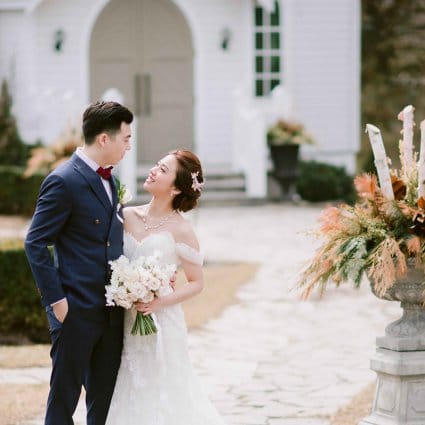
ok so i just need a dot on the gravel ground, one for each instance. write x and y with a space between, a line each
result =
357 409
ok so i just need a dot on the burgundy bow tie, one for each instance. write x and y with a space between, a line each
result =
105 173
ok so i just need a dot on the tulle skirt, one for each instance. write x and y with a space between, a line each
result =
156 384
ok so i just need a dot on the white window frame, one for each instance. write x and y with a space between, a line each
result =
266 76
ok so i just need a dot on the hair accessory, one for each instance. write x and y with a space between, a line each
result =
196 184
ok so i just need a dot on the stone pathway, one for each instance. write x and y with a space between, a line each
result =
272 359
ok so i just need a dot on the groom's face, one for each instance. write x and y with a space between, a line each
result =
117 144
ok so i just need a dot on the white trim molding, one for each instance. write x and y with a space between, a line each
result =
13 5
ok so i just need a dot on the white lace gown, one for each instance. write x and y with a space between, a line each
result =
156 384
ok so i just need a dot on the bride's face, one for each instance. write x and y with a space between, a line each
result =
161 176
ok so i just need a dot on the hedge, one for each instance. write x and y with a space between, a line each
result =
22 315
324 182
18 195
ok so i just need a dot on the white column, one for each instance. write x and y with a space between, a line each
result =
127 169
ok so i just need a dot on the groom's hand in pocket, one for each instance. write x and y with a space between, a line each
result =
60 309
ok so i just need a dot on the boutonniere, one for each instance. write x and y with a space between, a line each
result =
124 195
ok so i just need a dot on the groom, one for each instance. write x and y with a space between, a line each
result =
76 229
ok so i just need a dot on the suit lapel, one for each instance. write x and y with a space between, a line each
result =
93 180
114 193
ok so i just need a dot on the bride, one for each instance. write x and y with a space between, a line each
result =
156 384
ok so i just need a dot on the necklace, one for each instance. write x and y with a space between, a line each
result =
155 226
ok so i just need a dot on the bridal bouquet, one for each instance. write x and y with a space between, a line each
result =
138 280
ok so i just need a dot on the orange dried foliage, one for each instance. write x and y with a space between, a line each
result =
388 264
330 219
414 245
366 185
399 188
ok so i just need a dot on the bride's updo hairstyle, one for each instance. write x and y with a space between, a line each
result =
189 180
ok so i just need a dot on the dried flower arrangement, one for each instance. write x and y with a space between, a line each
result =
384 232
46 158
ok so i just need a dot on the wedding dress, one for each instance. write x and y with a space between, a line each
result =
156 384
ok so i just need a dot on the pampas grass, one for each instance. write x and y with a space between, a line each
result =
376 236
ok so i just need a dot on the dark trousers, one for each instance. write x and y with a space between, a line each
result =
86 350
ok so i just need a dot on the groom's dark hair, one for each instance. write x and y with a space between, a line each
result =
104 117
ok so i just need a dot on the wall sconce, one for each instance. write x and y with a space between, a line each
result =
225 37
58 40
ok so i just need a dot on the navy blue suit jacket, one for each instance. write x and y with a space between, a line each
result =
76 217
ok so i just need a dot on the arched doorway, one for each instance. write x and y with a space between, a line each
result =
144 49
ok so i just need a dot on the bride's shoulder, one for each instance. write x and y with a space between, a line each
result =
183 232
132 218
134 211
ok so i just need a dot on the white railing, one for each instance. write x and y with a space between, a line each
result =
251 119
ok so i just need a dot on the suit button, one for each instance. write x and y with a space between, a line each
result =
97 221
108 243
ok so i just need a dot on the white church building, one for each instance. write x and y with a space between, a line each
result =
207 75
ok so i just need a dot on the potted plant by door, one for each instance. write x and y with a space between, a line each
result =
284 139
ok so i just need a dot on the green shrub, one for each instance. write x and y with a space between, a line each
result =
18 194
12 149
22 316
324 182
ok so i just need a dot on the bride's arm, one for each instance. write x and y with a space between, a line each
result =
194 285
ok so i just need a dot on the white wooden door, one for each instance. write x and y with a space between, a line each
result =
144 49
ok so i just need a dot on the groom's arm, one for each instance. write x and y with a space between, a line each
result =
51 213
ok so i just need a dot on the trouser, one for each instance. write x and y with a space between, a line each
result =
85 351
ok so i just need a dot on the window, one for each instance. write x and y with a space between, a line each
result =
267 44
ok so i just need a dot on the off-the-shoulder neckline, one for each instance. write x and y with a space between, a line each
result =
164 232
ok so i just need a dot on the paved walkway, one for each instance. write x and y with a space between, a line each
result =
272 359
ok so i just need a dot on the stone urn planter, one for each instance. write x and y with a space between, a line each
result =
285 166
400 357
284 139
383 234
408 332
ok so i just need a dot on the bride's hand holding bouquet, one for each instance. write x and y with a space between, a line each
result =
147 308
140 281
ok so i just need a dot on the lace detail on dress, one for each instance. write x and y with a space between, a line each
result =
190 254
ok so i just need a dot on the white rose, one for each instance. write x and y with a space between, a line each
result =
154 284
126 197
148 297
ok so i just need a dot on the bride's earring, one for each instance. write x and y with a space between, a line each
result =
175 192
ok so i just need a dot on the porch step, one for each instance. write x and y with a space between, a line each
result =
221 187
